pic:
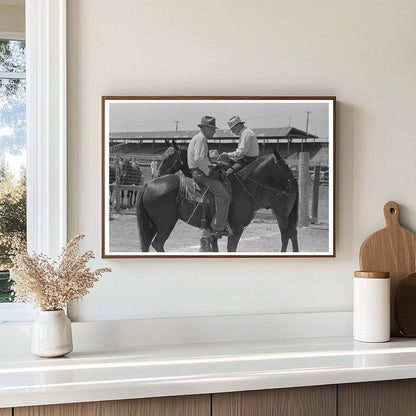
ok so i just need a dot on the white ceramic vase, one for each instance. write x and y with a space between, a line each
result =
52 334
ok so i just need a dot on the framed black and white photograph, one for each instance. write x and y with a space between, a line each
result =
218 177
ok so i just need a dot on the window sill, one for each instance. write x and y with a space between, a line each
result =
16 313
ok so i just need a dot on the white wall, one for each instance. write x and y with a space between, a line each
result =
361 51
12 17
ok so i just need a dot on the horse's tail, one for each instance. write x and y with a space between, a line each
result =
147 228
293 215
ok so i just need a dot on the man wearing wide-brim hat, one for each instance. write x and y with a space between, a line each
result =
248 147
203 174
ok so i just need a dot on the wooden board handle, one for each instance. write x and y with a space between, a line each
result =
391 214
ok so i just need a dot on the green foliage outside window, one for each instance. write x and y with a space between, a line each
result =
12 145
12 223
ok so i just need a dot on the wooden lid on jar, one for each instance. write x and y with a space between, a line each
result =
372 275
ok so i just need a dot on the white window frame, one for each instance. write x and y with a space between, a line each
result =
12 35
46 125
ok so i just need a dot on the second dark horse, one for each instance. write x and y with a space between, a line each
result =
266 183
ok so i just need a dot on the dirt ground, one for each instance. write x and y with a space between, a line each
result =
262 235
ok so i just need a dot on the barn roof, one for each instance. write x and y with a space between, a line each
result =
274 132
321 157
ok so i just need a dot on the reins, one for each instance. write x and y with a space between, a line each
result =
247 191
278 193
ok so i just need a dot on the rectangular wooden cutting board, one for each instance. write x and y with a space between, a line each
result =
393 250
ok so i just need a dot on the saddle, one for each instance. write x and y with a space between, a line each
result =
192 193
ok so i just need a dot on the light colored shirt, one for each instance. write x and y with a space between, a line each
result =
247 145
198 153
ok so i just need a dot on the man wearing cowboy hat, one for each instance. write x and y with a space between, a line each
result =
203 174
248 146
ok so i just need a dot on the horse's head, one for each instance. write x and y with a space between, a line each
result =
271 170
130 172
281 174
173 160
128 165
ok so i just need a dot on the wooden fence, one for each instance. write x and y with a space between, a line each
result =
119 199
121 195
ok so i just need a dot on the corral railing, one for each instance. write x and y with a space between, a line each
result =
121 195
119 199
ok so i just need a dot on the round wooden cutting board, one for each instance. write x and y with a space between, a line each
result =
393 250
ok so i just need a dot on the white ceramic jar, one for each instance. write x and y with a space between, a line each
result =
371 307
52 334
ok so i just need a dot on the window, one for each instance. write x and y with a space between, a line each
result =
12 167
12 154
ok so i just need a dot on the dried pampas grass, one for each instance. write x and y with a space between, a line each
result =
53 285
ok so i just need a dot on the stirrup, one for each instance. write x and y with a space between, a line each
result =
227 232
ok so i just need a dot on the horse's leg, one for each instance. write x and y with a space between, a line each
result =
163 232
214 244
293 223
162 207
233 240
147 228
282 221
159 241
145 247
293 234
284 233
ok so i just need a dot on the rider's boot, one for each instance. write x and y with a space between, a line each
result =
227 232
205 242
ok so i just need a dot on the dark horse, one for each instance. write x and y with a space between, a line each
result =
131 175
174 159
266 183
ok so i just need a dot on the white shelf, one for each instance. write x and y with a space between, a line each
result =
214 367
